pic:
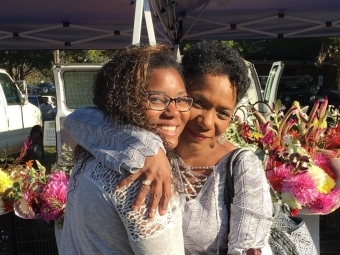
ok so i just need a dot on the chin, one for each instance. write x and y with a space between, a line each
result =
172 143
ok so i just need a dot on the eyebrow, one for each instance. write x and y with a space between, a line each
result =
182 93
202 98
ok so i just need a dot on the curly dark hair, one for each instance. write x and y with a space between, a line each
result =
120 86
120 90
215 58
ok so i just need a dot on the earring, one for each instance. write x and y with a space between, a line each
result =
222 138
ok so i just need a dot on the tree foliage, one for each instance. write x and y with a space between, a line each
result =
276 49
38 64
20 64
35 66
84 56
330 51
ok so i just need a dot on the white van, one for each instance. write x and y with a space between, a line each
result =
73 84
18 119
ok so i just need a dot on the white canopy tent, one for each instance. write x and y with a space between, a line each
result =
108 24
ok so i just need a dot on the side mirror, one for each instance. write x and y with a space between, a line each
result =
22 91
22 99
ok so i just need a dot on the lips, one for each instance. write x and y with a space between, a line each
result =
197 136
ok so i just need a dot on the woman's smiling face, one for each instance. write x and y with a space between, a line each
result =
214 102
170 122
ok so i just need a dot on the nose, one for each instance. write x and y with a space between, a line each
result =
171 110
207 119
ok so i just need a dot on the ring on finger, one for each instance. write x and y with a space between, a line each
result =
146 182
144 189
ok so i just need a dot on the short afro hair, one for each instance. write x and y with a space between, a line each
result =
215 58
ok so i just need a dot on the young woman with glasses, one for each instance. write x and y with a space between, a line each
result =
217 79
142 87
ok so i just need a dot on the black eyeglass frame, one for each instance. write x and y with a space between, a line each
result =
169 102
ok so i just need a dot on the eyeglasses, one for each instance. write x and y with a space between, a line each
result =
160 102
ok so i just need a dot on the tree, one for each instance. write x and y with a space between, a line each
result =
84 56
330 51
20 64
275 49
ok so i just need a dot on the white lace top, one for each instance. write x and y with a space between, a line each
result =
205 217
99 219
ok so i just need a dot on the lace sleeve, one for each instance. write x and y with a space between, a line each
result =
117 148
146 236
251 210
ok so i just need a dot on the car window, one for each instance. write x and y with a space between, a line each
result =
33 100
54 100
295 83
78 88
9 89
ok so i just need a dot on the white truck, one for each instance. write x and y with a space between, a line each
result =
18 120
73 84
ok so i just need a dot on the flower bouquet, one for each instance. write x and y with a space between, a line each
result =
300 153
26 189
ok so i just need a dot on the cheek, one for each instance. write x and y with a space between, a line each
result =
221 126
185 116
153 116
193 113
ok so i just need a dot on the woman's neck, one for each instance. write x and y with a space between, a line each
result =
195 155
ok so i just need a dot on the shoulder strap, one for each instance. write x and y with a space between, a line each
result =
229 191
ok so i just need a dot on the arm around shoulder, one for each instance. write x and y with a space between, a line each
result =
115 147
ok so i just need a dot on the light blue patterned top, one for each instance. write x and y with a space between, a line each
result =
205 217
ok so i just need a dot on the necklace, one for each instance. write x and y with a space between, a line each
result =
198 179
200 167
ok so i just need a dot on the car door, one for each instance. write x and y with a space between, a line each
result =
270 92
73 85
3 122
254 94
15 134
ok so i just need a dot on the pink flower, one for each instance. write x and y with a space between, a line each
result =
324 202
54 196
59 176
302 187
268 138
321 160
278 175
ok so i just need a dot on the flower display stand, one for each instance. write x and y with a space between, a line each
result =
26 237
57 231
313 225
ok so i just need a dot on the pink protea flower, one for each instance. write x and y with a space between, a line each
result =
278 175
301 186
59 176
321 160
324 162
324 202
54 196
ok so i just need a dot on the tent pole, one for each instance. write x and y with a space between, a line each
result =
177 52
137 25
143 5
149 23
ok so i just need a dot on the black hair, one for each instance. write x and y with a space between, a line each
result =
216 58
